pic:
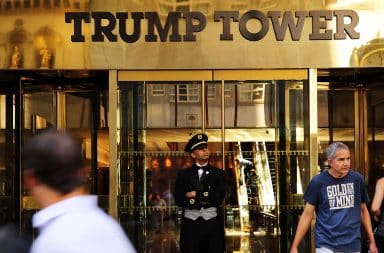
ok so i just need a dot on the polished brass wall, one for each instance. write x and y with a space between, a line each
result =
33 30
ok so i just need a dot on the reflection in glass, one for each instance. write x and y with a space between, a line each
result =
79 124
173 104
270 157
361 128
3 159
334 123
266 193
47 106
39 106
83 108
246 98
242 191
8 173
213 107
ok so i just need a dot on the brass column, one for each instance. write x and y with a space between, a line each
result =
313 136
112 118
361 130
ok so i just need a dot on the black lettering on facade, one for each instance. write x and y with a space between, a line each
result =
106 29
288 22
319 23
226 16
77 18
253 14
160 29
135 36
191 28
348 28
155 23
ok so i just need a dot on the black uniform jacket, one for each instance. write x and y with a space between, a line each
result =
210 189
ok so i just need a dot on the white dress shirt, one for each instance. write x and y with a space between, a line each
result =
78 225
200 170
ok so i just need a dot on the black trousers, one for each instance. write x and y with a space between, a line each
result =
200 236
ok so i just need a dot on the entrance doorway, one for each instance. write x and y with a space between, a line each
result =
258 129
351 110
33 101
9 150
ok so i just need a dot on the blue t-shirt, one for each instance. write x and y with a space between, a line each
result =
338 210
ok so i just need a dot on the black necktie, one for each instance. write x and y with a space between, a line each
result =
204 171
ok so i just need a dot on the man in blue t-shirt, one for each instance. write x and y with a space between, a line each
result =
339 198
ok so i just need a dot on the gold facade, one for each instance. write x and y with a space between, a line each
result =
34 34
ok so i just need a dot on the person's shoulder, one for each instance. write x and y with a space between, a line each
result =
217 170
380 181
183 171
183 174
95 224
320 176
11 241
356 174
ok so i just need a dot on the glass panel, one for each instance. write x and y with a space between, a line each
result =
89 124
351 111
266 163
163 111
375 108
39 114
39 111
76 113
131 161
251 92
213 108
293 159
164 157
3 168
83 107
103 148
334 123
79 124
249 98
160 112
158 90
8 175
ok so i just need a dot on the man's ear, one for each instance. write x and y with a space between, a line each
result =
82 173
30 179
193 155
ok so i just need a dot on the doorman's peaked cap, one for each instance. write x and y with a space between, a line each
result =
195 141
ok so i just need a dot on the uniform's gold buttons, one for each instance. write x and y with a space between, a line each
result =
192 201
205 194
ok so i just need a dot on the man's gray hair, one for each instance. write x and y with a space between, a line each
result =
332 148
